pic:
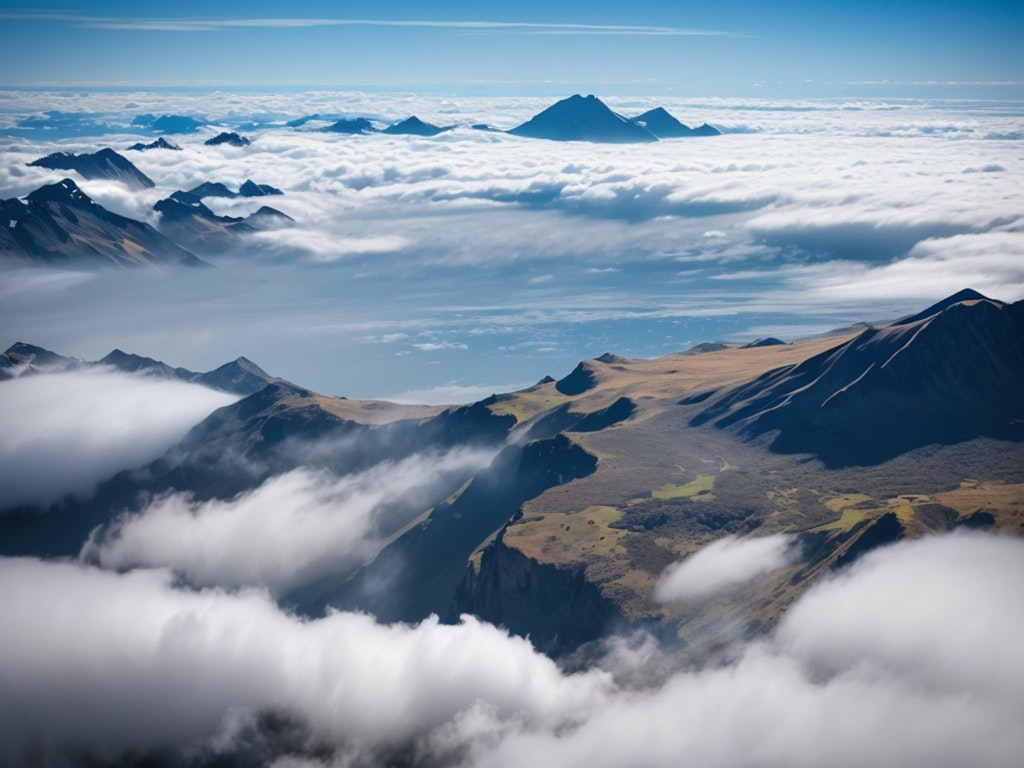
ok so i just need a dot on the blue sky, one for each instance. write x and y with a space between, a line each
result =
724 48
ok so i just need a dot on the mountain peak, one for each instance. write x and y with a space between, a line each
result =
967 294
104 164
413 126
64 191
579 118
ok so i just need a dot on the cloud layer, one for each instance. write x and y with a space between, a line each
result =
907 658
407 251
65 432
295 527
722 565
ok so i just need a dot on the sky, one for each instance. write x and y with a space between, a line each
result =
744 48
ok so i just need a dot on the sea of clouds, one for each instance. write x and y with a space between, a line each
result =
473 261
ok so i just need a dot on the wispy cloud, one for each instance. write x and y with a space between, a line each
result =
216 25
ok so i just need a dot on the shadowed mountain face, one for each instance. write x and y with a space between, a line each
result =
231 138
663 125
579 118
184 217
160 143
355 126
248 189
105 164
60 224
168 123
948 374
239 377
413 126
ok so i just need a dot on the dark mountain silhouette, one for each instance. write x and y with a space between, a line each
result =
161 143
663 125
232 138
770 341
240 377
168 123
301 121
211 189
266 217
251 189
706 130
354 126
60 224
21 358
579 118
184 217
949 374
218 189
105 164
413 126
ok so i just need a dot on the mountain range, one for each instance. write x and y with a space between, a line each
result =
601 479
239 377
185 218
104 164
59 224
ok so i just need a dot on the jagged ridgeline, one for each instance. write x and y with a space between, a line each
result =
594 483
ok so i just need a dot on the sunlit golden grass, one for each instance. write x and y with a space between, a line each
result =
703 484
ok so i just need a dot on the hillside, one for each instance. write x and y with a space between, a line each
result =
602 479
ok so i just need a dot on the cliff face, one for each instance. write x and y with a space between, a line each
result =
559 609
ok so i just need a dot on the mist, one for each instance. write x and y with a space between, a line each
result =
65 432
296 527
900 646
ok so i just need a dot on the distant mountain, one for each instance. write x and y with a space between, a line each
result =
663 125
60 224
248 189
770 341
161 143
211 189
301 121
232 138
105 164
580 118
354 126
21 358
184 217
251 189
239 377
168 123
413 126
950 373
266 217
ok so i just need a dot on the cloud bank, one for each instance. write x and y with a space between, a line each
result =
909 657
65 432
295 527
807 215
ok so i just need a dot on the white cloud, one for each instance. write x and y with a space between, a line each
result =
150 665
437 346
724 564
296 527
914 645
65 432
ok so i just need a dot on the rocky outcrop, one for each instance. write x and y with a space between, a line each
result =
557 608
